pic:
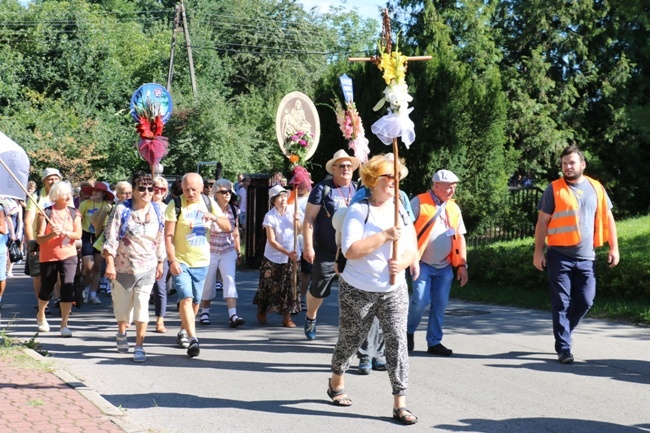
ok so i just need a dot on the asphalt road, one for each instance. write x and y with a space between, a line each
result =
503 376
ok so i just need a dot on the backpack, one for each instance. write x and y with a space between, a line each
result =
206 200
128 204
48 212
326 192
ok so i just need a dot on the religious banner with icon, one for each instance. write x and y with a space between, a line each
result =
297 127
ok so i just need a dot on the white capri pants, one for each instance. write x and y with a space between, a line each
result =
131 305
227 264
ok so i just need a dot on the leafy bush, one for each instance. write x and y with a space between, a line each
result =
623 291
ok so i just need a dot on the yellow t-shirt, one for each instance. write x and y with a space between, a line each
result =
43 201
192 234
87 208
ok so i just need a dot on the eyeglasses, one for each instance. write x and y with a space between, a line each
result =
345 166
389 176
159 189
145 188
224 192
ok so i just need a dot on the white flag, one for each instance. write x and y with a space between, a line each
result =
14 158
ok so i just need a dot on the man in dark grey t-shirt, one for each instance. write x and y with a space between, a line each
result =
319 234
574 217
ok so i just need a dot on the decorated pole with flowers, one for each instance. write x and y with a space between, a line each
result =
151 108
396 122
350 122
297 128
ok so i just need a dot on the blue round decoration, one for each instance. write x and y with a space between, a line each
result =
156 94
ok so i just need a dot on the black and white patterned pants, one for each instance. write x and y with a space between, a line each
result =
357 309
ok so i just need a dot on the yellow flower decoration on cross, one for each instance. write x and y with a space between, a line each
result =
394 67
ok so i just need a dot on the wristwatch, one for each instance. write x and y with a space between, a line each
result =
464 266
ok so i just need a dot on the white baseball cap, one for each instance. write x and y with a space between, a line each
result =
50 172
445 176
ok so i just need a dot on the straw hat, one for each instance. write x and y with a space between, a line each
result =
341 154
403 171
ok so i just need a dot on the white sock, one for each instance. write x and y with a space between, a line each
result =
93 294
232 312
205 310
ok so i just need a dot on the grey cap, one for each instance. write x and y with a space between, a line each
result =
445 176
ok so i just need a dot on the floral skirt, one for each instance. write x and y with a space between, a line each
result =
275 293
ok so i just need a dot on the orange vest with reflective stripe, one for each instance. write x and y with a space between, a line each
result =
564 228
428 209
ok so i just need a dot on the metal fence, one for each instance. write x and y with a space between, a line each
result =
519 219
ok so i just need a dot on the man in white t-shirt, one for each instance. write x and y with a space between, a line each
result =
441 246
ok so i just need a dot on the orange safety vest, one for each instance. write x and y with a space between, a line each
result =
428 209
564 228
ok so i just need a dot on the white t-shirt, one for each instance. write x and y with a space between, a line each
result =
437 252
370 273
242 199
282 226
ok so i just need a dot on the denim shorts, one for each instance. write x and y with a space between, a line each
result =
189 283
87 241
3 261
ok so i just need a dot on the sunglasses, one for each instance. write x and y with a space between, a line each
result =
345 166
145 188
389 176
159 188
224 192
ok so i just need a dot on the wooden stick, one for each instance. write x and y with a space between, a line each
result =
370 59
295 243
396 199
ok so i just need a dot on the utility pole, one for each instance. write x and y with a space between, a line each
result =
180 20
189 48
177 28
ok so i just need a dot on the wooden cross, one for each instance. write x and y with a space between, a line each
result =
386 37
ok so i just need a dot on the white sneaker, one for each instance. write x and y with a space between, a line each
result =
94 300
43 326
66 332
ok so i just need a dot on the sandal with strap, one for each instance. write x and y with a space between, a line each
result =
236 321
404 416
343 401
205 319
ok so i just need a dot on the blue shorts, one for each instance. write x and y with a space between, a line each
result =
3 262
189 283
87 241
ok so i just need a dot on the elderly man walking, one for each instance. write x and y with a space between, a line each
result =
188 220
319 234
574 218
441 246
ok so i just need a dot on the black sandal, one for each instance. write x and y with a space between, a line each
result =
343 401
236 321
404 416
